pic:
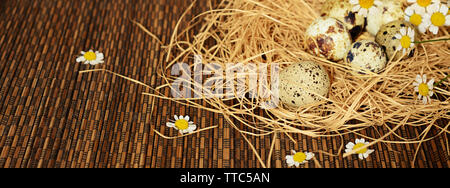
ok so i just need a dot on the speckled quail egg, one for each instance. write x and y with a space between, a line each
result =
327 37
386 38
303 83
389 11
342 11
367 55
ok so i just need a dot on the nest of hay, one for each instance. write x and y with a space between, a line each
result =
272 32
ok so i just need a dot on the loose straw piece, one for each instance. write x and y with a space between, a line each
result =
272 32
184 135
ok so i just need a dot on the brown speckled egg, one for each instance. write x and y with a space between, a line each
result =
367 55
342 11
386 38
327 37
303 83
389 11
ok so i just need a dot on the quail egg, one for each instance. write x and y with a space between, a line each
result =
303 83
386 38
387 12
327 37
342 11
367 55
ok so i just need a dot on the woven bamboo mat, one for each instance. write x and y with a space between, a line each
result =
52 116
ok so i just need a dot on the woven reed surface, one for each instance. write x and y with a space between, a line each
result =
53 116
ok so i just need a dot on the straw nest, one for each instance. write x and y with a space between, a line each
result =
272 32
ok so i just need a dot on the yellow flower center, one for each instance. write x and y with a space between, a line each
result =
405 41
424 90
416 19
438 19
366 3
424 3
90 56
182 124
360 145
299 157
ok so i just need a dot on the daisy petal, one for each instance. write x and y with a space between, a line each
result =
419 79
356 8
403 31
192 127
365 155
348 150
100 56
431 83
81 59
354 2
434 29
350 145
409 11
186 118
424 100
422 28
363 12
289 158
433 8
447 20
443 10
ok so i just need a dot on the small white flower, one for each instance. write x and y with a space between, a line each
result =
416 17
421 5
406 39
298 158
182 124
436 17
425 89
91 57
365 7
362 154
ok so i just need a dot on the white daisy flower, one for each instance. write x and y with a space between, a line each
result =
298 158
436 17
421 5
91 57
365 7
425 89
182 124
362 154
406 39
416 17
